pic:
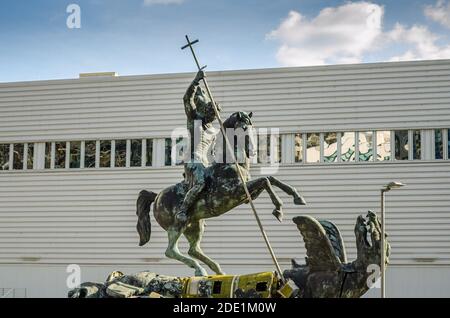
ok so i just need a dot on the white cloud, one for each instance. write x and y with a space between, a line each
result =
421 42
153 2
350 32
337 35
440 12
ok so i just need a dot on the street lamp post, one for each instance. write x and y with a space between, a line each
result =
386 188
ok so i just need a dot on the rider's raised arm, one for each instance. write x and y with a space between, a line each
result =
188 99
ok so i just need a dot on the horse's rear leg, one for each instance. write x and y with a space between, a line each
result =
256 186
194 233
298 199
173 252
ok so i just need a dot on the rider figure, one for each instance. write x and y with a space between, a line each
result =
200 115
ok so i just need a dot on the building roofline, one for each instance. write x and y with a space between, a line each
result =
318 68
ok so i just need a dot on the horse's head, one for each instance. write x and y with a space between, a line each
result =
242 123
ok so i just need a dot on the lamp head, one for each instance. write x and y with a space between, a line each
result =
394 185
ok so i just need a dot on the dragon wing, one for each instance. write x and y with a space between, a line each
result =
335 237
319 249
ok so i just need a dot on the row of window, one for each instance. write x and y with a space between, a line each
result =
368 146
309 147
78 154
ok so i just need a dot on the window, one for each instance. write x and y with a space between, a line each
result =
168 152
383 145
4 156
438 144
18 150
89 154
149 152
401 145
30 156
75 154
417 145
120 153
348 147
263 148
298 148
60 155
105 153
48 155
312 147
136 153
266 150
448 143
365 145
181 150
330 148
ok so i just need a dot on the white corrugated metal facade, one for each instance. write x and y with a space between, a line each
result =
50 218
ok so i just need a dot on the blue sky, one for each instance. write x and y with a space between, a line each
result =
138 37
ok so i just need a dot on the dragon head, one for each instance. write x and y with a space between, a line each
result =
368 241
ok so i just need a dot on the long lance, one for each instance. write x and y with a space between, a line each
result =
238 169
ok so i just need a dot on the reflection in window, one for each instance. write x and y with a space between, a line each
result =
136 153
330 147
383 145
105 153
168 152
438 144
401 145
89 154
348 147
48 155
60 154
4 156
18 156
365 145
75 154
121 153
30 156
298 148
417 146
149 152
313 147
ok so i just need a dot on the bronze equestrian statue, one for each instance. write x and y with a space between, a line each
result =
221 191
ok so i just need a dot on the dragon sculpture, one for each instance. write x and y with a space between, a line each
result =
326 274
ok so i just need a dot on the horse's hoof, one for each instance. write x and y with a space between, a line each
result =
278 214
298 200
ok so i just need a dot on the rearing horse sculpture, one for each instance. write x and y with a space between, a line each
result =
223 192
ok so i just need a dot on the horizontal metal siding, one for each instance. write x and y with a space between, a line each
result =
367 96
89 216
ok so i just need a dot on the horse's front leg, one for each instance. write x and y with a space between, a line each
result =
256 186
298 199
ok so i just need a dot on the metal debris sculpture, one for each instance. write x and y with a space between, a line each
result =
326 274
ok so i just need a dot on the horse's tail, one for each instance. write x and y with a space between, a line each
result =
143 226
